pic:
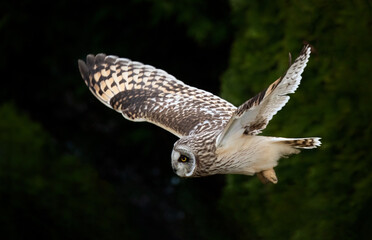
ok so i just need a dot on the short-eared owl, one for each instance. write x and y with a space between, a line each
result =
215 137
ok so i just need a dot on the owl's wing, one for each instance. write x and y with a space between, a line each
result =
143 93
254 115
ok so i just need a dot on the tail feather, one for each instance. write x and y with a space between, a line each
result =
304 143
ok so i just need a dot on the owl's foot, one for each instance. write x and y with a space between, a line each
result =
267 176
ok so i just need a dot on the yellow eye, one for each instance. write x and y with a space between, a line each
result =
183 158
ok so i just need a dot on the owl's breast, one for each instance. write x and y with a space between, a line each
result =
241 155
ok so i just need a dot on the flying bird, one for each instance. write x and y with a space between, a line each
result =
215 137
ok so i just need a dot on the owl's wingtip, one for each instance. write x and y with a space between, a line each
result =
306 49
84 70
82 65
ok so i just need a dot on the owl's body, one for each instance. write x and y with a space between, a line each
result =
215 136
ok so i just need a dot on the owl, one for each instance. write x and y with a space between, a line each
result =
215 137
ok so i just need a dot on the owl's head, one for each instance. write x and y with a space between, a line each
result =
183 160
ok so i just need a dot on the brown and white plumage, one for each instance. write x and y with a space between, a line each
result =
254 115
215 136
143 93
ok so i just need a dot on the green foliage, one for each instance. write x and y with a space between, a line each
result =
323 193
48 194
205 21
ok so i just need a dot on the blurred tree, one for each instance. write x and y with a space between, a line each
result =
51 195
324 192
207 22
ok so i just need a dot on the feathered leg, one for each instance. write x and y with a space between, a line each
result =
267 176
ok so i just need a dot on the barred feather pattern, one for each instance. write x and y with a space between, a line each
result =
254 115
304 143
143 93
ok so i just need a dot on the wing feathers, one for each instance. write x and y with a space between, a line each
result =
280 88
254 115
143 93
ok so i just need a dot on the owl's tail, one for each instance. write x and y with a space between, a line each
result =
303 143
278 148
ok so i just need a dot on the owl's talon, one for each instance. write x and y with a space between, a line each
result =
267 176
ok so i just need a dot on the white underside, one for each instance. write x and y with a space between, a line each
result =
249 154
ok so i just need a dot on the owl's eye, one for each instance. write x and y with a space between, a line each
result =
183 158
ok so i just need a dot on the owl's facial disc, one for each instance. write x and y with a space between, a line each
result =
183 161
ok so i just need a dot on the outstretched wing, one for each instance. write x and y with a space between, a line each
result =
254 115
143 93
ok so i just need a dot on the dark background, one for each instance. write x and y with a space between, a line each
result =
70 168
